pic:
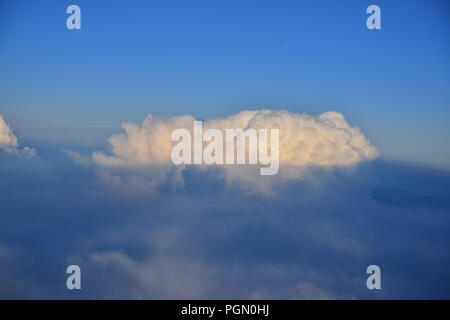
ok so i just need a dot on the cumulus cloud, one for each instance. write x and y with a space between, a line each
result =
9 142
306 141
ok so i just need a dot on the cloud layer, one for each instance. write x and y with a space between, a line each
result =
202 237
312 240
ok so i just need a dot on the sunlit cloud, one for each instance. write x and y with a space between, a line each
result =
9 142
306 141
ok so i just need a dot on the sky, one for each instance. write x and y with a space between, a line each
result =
86 176
213 59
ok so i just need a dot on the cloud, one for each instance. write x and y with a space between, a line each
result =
77 157
326 141
9 142
178 277
162 277
202 237
314 239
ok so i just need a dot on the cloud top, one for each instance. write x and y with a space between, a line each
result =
323 140
9 142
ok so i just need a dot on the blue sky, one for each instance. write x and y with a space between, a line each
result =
214 58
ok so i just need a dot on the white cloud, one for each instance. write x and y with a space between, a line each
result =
162 277
143 145
9 142
326 140
78 157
